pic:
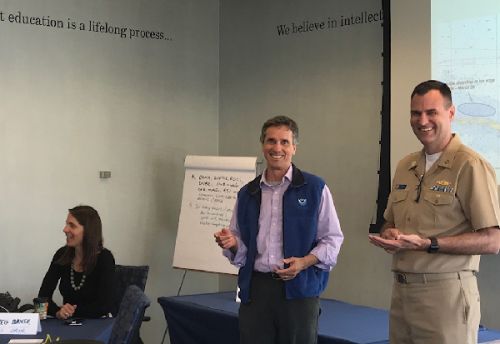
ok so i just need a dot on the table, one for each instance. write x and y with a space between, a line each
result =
98 329
213 318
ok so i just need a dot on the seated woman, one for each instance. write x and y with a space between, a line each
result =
83 268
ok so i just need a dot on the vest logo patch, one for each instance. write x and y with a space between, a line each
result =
302 202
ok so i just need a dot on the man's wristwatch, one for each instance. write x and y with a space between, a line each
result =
434 246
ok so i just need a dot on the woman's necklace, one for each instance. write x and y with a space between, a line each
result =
72 279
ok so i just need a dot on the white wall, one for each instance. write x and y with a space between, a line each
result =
330 81
410 65
76 102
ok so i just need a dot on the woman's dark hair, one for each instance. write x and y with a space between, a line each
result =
92 243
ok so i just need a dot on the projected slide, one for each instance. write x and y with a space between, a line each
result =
465 54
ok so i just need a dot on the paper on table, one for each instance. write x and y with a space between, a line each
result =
20 323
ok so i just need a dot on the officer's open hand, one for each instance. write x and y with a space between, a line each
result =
402 242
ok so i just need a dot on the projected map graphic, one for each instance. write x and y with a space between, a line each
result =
465 55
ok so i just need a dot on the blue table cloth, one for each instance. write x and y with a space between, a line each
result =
213 318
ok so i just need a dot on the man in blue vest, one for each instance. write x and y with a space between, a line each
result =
285 237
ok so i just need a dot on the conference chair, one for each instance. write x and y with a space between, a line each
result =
129 319
125 276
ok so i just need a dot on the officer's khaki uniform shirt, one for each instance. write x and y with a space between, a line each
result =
458 194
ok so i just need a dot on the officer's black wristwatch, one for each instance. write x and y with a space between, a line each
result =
434 247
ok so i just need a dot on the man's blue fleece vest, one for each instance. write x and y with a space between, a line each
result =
301 203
